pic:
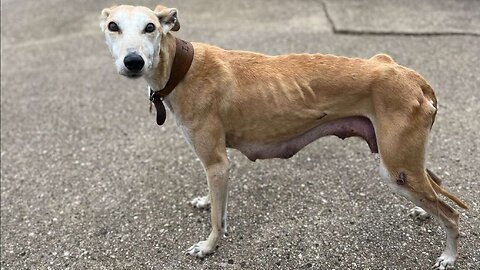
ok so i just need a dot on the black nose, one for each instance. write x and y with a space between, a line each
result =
134 62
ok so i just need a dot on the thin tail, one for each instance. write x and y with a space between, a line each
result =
435 181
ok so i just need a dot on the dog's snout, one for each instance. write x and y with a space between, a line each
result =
134 62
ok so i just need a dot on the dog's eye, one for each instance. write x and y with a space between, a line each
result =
149 28
113 27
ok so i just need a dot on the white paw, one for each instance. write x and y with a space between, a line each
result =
418 213
444 262
200 250
200 202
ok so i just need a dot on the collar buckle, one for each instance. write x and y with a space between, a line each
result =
154 96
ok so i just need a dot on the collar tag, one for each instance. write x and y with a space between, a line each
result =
156 99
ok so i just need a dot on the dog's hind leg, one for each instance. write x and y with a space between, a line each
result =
415 186
402 137
417 212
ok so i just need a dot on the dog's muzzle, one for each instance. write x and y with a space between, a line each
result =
134 62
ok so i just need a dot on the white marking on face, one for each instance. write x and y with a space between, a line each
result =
131 37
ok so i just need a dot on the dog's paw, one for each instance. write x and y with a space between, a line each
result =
200 250
201 202
418 213
444 262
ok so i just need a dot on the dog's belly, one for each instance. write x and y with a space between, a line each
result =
358 126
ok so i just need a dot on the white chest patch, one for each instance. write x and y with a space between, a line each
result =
185 131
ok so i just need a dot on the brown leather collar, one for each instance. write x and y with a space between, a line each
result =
181 64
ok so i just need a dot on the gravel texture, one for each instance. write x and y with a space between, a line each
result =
89 181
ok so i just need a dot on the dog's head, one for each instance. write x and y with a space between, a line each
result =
133 35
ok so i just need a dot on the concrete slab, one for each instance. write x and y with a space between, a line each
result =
49 19
405 16
89 181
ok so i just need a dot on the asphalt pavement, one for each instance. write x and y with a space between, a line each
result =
89 181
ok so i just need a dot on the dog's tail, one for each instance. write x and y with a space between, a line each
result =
435 181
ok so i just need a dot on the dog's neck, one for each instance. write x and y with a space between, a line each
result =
158 77
176 70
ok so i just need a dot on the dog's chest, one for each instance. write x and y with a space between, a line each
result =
185 131
178 121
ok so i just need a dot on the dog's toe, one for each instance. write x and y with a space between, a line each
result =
199 250
444 262
200 202
418 213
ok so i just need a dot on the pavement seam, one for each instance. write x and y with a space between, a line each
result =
398 33
325 9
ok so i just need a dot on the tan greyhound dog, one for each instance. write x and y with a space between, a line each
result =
272 106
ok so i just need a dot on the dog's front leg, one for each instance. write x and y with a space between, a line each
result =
213 155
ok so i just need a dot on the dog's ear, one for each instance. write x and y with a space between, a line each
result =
104 15
168 18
